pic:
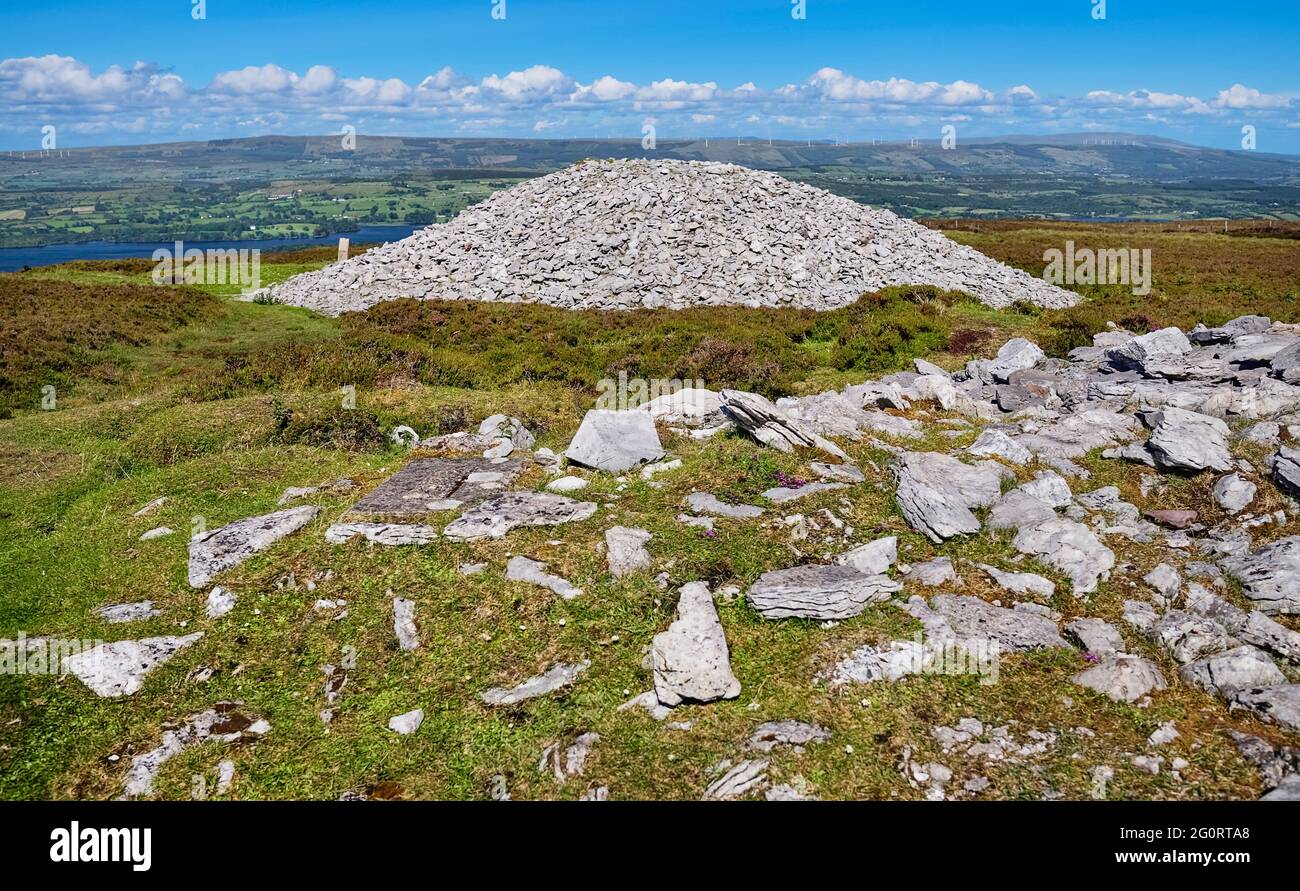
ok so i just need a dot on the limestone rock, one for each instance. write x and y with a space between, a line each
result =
522 569
1270 576
996 444
936 493
615 441
406 723
797 734
1070 548
1020 582
818 592
408 636
1285 469
973 618
1225 673
127 612
221 549
496 517
1278 704
220 602
625 550
1017 354
1187 440
691 659
773 427
389 534
1233 494
933 573
1122 677
1097 636
555 678
872 558
704 503
119 668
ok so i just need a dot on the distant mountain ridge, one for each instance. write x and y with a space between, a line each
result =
1118 154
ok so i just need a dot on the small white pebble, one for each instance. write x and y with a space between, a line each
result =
848 750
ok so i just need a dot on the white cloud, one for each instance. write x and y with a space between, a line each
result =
541 98
537 82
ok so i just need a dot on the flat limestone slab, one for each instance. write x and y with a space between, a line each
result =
429 485
216 551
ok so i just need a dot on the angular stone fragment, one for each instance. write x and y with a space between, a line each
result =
1225 673
1049 488
119 668
1122 677
1096 635
973 618
1070 548
522 569
1233 494
933 573
566 484
221 549
872 558
745 777
1270 576
691 659
127 612
408 636
431 485
1187 636
996 444
555 678
688 407
893 661
782 494
1188 440
497 516
625 550
837 473
768 736
818 592
1285 470
406 723
704 503
615 441
773 427
1162 344
1018 509
1278 704
220 602
1020 582
1017 354
936 493
1165 580
390 534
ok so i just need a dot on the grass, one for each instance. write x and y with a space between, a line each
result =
221 405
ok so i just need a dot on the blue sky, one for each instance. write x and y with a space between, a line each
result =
148 71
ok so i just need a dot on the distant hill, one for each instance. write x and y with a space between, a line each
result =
1115 154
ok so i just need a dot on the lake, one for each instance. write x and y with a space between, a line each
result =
13 259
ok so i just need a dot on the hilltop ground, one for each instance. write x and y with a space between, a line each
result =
220 405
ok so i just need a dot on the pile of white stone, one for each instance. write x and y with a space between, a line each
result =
625 234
